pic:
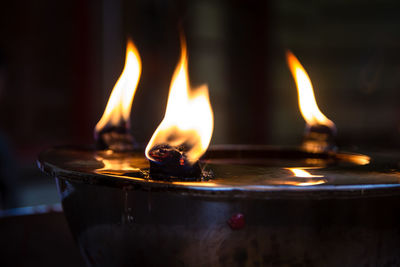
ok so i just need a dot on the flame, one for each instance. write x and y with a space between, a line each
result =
120 102
188 118
308 106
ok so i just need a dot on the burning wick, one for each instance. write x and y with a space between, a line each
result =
172 162
320 131
112 131
185 132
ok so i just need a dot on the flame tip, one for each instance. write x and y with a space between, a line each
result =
119 104
306 98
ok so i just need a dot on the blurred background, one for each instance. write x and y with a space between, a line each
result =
59 61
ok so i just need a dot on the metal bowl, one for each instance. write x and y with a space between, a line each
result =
254 212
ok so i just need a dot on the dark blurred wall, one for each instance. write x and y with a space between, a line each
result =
63 58
50 87
50 50
351 52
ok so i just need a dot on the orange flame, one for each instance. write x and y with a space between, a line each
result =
308 106
188 118
119 104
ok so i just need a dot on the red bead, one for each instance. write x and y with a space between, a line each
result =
236 222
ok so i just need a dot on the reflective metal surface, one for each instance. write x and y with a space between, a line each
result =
120 217
246 171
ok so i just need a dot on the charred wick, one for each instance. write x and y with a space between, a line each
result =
319 138
116 138
171 163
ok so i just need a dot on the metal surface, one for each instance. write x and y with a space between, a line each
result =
121 218
239 171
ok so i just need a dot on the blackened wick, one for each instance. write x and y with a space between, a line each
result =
171 163
115 138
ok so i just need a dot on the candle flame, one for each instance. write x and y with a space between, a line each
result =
307 103
119 104
188 118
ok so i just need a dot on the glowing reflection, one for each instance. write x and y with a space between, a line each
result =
308 183
302 173
309 178
355 158
201 184
117 164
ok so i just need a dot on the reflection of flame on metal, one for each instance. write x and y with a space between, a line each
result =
310 179
309 183
197 184
358 159
117 164
355 158
306 183
302 173
316 162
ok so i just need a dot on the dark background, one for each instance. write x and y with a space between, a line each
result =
60 59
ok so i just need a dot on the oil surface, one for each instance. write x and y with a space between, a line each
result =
244 167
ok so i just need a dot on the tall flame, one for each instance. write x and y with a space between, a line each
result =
120 102
188 118
308 106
